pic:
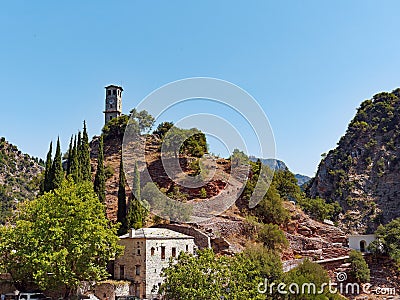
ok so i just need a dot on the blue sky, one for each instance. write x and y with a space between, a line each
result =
308 63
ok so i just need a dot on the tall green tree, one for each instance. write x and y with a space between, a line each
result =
79 155
137 212
85 156
70 149
121 213
100 177
57 172
46 185
74 168
63 233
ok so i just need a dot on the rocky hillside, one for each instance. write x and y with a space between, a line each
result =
363 172
228 232
17 170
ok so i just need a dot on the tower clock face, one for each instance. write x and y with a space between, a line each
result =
111 101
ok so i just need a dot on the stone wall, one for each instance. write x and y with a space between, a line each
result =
6 285
201 239
111 290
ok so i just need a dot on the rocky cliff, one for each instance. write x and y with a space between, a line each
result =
17 170
362 172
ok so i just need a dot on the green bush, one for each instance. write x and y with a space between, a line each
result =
319 209
272 237
388 240
358 267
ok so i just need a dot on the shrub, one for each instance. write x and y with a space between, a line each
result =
358 267
272 237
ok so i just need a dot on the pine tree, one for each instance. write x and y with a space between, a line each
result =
85 156
70 149
136 183
136 211
74 168
57 172
100 178
79 157
46 184
121 214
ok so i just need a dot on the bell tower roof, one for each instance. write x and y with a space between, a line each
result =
114 86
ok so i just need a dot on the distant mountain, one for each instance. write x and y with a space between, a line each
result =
17 170
273 163
302 179
277 164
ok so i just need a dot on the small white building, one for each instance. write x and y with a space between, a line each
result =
361 242
147 252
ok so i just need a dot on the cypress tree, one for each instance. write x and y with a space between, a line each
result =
69 156
74 168
79 156
85 156
46 184
136 211
57 172
136 183
100 178
121 214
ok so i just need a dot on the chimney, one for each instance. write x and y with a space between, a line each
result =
132 232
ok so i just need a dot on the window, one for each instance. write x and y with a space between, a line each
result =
138 251
173 252
152 250
162 252
108 92
113 92
363 246
137 270
187 248
121 272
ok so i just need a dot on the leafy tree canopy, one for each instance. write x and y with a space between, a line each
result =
191 142
213 277
143 119
163 128
59 239
388 240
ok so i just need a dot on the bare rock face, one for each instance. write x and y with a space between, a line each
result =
312 239
362 173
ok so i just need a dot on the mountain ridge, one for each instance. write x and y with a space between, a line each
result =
363 172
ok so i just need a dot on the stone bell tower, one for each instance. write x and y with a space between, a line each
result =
113 102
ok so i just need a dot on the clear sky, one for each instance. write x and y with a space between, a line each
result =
308 63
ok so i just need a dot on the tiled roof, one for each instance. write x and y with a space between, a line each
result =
154 233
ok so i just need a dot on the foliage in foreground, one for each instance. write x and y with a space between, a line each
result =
212 277
309 272
59 239
388 240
